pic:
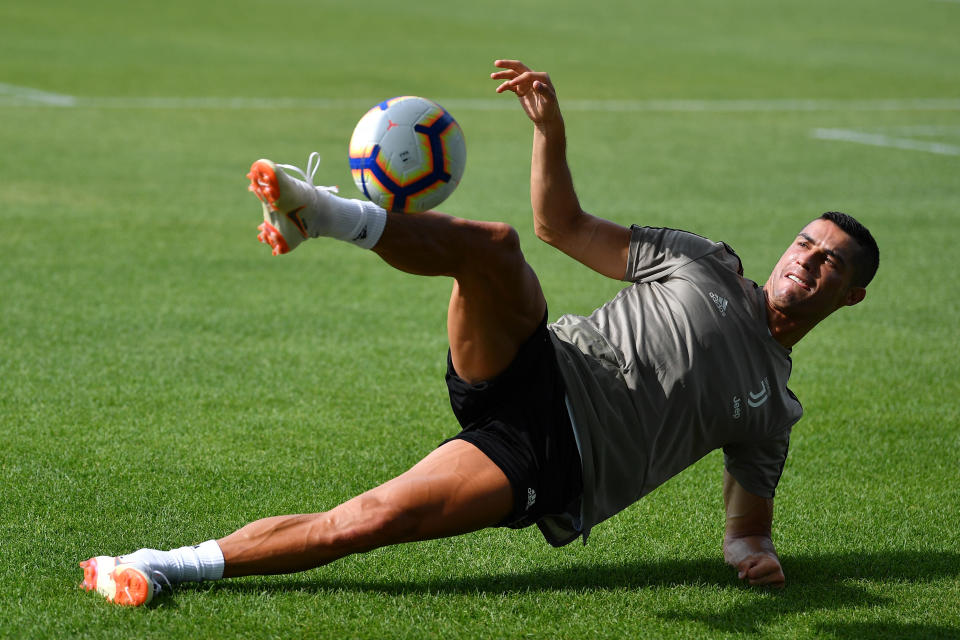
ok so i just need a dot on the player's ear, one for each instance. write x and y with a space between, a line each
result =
854 296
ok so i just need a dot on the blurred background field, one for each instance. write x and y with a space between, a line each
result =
163 380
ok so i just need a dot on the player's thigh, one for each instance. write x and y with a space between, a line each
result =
455 489
494 307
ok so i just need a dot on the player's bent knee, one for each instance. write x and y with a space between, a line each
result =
485 236
494 247
505 238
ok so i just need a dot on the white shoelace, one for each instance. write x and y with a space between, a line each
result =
155 578
313 163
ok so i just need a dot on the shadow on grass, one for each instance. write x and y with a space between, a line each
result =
815 583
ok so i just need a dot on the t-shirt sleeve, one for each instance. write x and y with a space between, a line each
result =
655 253
757 466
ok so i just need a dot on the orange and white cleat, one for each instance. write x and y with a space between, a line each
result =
288 202
125 584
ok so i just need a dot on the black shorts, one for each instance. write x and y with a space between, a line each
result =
519 420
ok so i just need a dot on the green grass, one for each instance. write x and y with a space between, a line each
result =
163 381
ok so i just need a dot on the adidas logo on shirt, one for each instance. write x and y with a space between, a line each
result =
720 302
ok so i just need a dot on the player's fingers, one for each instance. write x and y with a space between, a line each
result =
519 84
534 76
776 581
765 572
528 79
747 568
509 86
515 65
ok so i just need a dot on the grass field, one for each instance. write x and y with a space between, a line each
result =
163 380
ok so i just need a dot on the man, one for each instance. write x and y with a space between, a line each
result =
567 424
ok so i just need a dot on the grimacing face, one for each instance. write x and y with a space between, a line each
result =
813 277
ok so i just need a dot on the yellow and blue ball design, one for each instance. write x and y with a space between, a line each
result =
407 154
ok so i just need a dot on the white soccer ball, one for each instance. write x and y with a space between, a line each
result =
407 154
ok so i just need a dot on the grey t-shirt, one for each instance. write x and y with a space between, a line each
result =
678 364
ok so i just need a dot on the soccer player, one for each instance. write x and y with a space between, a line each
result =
563 424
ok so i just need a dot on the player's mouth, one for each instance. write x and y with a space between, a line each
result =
800 282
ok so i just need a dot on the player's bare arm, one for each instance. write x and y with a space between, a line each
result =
747 543
558 218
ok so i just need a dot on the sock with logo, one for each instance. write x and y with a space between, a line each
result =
185 564
356 221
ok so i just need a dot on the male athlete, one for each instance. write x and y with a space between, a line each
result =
563 425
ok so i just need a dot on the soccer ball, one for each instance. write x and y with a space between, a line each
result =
407 154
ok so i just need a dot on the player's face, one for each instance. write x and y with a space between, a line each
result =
813 277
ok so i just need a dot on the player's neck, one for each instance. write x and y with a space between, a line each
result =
786 329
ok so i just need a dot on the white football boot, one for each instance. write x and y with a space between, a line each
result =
289 203
127 584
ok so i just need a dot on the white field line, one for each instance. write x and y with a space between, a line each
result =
27 95
785 104
880 140
16 96
926 129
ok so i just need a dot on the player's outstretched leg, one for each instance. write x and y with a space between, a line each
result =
455 489
294 209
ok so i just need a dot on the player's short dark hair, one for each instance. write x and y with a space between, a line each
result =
869 257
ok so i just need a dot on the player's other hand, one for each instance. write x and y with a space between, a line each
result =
755 560
534 89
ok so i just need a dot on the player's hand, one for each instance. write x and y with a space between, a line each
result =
755 560
534 89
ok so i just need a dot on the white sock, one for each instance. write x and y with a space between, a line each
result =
356 221
186 564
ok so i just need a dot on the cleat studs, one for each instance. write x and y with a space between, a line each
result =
89 574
